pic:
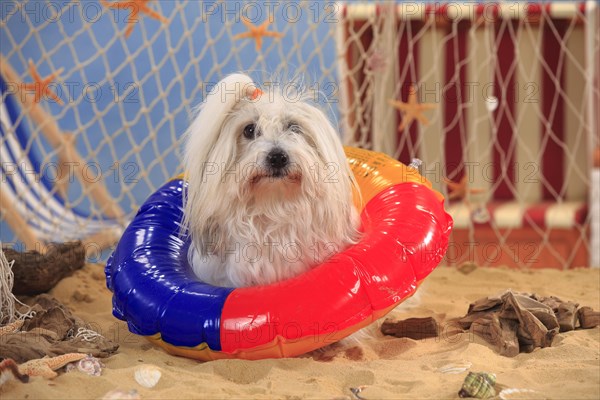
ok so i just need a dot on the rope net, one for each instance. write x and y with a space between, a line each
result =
96 96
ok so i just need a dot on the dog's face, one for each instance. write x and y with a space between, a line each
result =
261 165
282 149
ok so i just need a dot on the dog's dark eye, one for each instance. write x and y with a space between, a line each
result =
294 127
250 131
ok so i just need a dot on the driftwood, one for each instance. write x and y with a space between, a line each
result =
53 331
413 328
536 323
567 316
588 318
500 333
37 273
519 322
513 322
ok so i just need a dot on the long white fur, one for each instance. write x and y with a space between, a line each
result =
248 229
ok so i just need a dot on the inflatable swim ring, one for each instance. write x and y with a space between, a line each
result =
405 235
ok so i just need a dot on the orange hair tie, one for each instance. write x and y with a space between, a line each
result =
255 94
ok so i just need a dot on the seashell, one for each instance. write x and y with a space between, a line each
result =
356 392
515 394
90 365
479 385
491 103
147 375
455 368
70 367
119 394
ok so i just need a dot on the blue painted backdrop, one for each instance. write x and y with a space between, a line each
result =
118 90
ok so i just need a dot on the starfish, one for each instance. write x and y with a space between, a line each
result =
257 32
460 189
134 6
46 366
11 328
412 109
40 85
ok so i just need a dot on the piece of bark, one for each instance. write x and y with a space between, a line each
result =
519 302
588 318
36 273
537 323
500 333
552 301
53 316
515 322
53 319
565 311
567 316
534 320
413 328
480 309
489 303
24 346
466 268
52 331
468 320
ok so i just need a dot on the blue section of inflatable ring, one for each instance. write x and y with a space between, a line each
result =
153 283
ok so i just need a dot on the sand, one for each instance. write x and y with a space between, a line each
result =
390 368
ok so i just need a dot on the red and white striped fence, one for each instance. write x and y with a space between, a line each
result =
516 89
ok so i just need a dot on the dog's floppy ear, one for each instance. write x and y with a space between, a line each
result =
203 134
223 97
205 130
206 127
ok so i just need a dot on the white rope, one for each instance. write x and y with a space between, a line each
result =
8 303
87 335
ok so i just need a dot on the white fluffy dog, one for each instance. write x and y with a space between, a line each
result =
270 192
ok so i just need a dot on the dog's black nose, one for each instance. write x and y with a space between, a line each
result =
278 159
